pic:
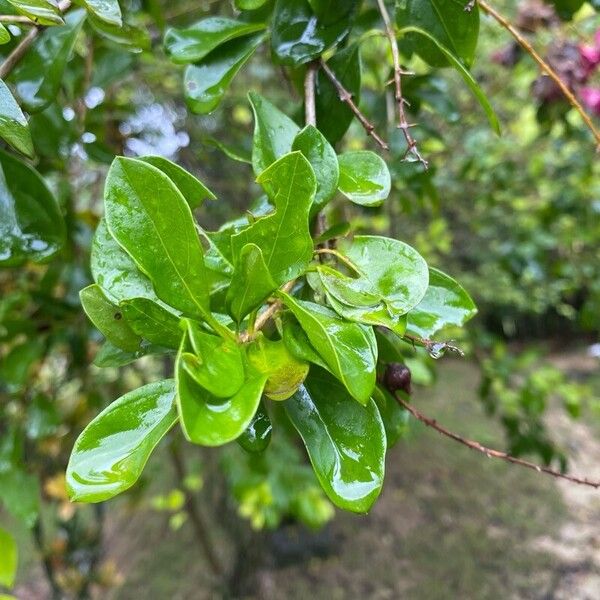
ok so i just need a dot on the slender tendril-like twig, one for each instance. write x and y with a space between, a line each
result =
403 124
489 452
19 51
346 97
544 66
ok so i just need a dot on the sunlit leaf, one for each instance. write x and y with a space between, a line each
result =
13 124
364 178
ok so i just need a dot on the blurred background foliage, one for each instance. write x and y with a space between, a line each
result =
515 218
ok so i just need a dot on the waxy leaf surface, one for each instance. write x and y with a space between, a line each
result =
31 225
284 236
192 44
323 159
274 133
206 84
346 442
106 10
396 420
150 219
38 76
348 349
152 322
108 319
111 453
8 559
257 436
445 303
43 12
364 178
13 124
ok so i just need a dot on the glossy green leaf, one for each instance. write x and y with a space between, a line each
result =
206 84
391 278
13 124
297 342
152 322
4 35
192 189
249 4
219 270
215 364
299 36
364 178
20 494
445 303
211 421
112 451
38 76
323 159
126 36
447 22
396 420
44 12
31 225
347 68
274 133
348 349
109 356
285 372
251 283
115 271
106 10
150 219
466 75
346 442
192 44
283 236
108 319
257 436
8 559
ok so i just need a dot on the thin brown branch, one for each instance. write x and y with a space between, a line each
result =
346 97
432 346
19 51
403 125
309 93
544 66
266 316
16 20
489 452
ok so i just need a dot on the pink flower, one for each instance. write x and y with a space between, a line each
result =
591 98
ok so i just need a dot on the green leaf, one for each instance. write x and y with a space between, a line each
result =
391 278
108 11
38 76
108 319
218 268
297 342
31 225
8 559
112 451
192 44
249 4
348 349
192 189
13 124
111 356
206 84
285 372
126 36
299 36
257 436
274 133
346 442
466 75
445 303
251 283
364 178
283 236
333 116
396 420
115 271
448 25
152 322
150 219
16 364
211 421
43 12
322 158
4 39
216 364
20 495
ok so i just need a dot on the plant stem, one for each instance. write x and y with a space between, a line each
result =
309 93
522 41
489 452
194 514
19 51
16 20
346 97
